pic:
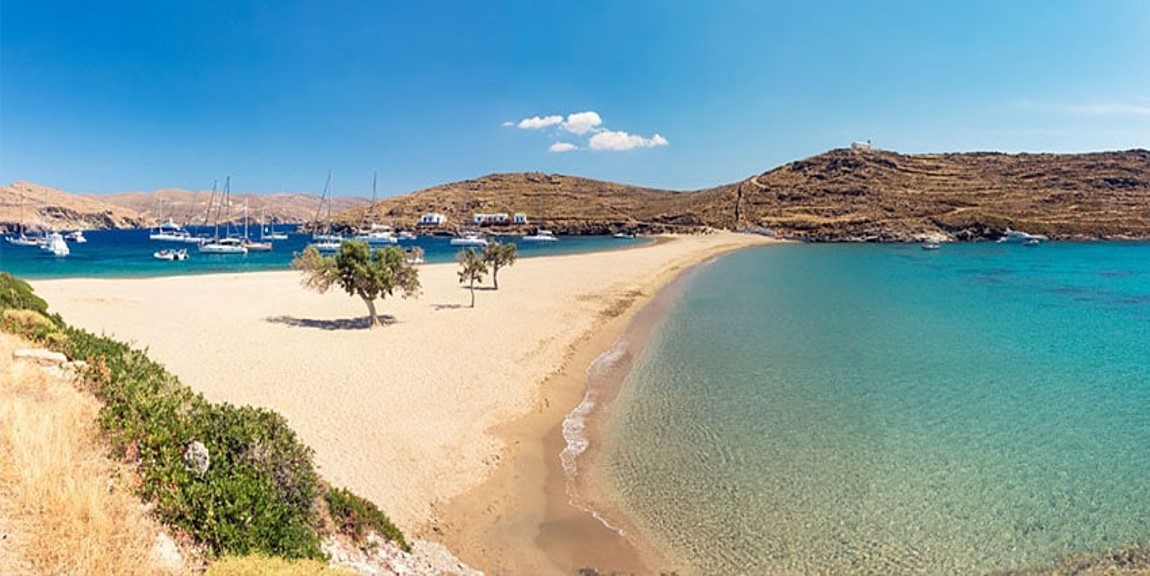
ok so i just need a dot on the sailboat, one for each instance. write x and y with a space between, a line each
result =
269 232
325 241
21 239
227 244
253 245
377 234
468 237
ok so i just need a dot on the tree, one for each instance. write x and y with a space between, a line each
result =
472 268
357 269
498 255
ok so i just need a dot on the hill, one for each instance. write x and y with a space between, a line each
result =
841 195
45 207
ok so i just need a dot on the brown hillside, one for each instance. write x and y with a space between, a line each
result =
46 208
842 195
192 206
849 194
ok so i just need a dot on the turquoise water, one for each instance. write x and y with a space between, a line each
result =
129 253
884 409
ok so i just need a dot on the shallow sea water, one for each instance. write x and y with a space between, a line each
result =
884 409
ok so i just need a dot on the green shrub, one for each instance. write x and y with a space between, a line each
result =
356 516
260 493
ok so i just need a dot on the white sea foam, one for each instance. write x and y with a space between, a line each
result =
575 430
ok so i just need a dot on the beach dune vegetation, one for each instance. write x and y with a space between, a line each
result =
360 271
498 255
472 269
258 493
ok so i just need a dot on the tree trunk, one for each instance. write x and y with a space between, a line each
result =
371 314
472 292
495 276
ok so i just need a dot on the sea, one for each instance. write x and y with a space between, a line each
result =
883 409
128 253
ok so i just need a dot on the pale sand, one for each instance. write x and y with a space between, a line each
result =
403 415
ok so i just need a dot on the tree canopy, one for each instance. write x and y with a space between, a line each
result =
472 268
360 271
498 255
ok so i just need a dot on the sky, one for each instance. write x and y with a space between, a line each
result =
116 95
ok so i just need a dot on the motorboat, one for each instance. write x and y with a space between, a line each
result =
470 239
931 245
272 234
378 234
22 240
224 246
541 235
1031 242
56 245
76 236
170 231
405 236
623 235
256 246
1021 237
327 244
170 254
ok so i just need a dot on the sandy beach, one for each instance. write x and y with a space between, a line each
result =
419 415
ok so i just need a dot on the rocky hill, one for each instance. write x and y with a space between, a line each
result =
842 195
42 207
46 208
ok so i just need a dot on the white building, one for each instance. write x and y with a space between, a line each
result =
519 218
432 219
496 219
862 146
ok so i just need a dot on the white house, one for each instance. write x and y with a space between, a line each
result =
862 146
432 219
497 219
519 218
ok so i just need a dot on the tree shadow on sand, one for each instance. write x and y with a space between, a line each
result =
438 307
361 323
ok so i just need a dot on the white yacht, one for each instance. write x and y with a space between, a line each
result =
377 234
327 244
22 240
1020 236
56 245
541 235
470 239
406 236
170 231
76 236
223 246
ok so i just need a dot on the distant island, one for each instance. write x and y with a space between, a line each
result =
859 194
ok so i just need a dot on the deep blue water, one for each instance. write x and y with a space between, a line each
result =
129 253
884 409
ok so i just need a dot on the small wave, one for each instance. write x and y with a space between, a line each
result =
575 431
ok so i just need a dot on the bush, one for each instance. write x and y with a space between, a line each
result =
356 516
260 493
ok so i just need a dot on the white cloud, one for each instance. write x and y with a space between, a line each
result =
582 122
619 140
562 147
537 122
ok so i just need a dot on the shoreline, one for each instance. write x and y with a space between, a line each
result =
424 410
527 498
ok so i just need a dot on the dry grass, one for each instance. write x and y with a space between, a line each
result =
61 509
266 566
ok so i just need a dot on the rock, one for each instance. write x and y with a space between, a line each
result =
165 555
196 458
40 356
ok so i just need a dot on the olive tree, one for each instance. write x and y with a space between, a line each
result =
472 268
498 255
360 271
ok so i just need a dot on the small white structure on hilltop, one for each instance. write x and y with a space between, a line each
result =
862 146
519 218
432 219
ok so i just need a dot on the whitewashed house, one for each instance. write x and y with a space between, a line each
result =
496 219
519 218
432 219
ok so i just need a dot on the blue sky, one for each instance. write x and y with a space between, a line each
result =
131 95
